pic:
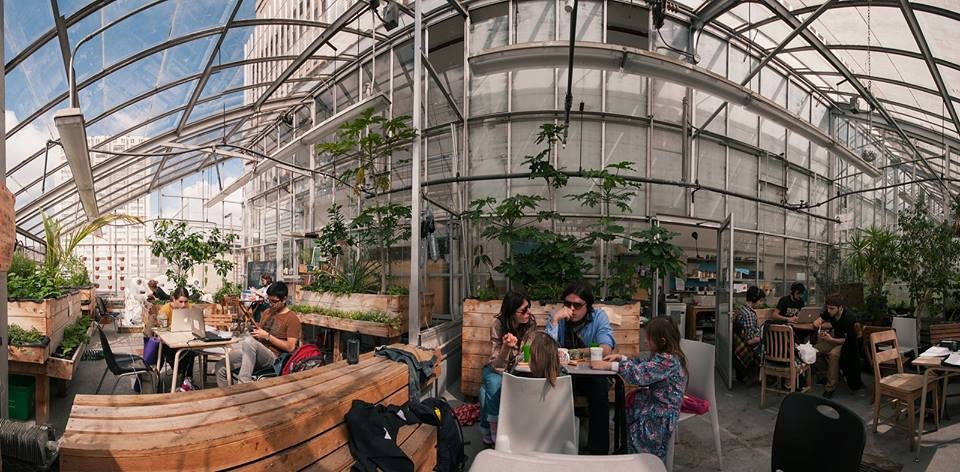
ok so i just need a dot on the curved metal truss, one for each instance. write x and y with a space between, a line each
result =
830 53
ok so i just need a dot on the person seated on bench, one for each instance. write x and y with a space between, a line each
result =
513 328
277 333
578 325
179 300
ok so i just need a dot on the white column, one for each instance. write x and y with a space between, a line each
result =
414 306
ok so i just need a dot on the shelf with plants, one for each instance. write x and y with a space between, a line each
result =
370 322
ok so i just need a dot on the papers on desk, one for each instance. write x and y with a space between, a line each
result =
936 351
953 360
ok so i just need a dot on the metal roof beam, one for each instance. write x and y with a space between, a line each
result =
207 69
711 10
918 35
784 14
354 11
443 90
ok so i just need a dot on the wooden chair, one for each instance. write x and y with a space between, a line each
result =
779 361
902 389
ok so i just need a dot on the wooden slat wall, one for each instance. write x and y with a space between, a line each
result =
478 316
292 422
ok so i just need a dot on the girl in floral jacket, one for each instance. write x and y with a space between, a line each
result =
652 416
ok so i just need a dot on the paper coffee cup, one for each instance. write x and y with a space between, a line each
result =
596 354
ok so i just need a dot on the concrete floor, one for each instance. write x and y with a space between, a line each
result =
746 430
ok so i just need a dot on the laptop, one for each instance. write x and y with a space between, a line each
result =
199 330
808 314
182 319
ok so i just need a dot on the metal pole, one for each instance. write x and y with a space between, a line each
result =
4 365
414 302
568 101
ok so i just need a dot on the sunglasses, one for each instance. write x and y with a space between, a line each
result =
574 305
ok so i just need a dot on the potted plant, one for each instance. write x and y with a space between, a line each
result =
183 250
356 272
926 260
873 258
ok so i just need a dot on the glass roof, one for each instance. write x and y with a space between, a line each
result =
150 72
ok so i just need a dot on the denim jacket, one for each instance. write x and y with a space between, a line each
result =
596 330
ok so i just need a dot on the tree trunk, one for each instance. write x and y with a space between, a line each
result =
383 270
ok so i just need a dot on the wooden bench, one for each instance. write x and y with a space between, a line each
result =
943 332
478 316
294 422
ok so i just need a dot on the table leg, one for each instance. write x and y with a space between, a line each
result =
337 354
619 420
176 368
226 353
159 356
41 399
915 446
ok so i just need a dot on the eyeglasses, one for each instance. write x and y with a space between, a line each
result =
274 300
574 305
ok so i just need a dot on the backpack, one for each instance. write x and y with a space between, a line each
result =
302 353
450 455
308 363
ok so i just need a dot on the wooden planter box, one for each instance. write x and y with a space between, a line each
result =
65 368
478 316
369 328
33 354
49 317
394 304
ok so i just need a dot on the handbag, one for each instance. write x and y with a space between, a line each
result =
151 348
692 404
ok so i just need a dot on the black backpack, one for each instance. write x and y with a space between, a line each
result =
450 455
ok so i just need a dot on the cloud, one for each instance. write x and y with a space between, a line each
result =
205 186
23 144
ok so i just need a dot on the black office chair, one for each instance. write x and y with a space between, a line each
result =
102 313
808 425
123 364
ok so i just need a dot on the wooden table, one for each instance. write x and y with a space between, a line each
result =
181 341
619 416
932 364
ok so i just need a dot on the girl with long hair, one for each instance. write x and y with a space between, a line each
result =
544 358
653 414
513 327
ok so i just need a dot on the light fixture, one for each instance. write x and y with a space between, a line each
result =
73 138
325 128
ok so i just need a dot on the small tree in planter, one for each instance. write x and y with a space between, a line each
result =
60 246
927 257
873 257
381 227
183 250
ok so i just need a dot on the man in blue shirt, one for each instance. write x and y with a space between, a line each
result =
579 325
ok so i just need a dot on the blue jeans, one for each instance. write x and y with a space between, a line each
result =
490 397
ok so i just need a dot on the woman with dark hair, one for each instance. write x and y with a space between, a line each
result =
513 328
652 415
577 325
746 331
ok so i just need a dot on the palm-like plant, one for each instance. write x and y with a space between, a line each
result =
60 245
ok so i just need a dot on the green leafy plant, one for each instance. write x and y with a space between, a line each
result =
371 316
228 289
76 273
539 164
183 250
28 280
74 336
927 257
334 235
873 258
351 276
381 227
654 251
60 245
19 336
396 290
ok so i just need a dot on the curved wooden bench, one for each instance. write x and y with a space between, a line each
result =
294 422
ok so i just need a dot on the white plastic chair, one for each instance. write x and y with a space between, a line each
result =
535 417
906 329
700 383
499 461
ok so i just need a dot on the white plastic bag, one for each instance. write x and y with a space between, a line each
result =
808 353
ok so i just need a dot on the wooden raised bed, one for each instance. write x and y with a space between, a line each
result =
478 316
60 368
394 304
33 354
49 317
369 328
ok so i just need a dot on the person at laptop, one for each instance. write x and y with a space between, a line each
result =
277 333
789 305
179 300
838 347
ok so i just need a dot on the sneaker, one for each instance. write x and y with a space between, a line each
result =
186 386
488 440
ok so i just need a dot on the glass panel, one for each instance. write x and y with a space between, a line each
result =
582 151
797 191
34 82
146 108
522 136
533 90
773 189
488 156
32 137
24 23
711 170
743 180
627 25
771 266
586 87
589 22
535 20
667 164
628 143
626 94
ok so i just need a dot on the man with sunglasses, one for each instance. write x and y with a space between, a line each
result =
277 333
578 325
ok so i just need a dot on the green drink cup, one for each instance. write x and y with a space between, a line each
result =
526 353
